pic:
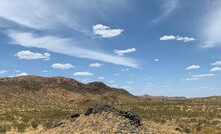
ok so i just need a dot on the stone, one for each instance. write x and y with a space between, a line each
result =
89 111
75 115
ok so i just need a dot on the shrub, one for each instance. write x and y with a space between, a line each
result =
3 129
20 127
35 124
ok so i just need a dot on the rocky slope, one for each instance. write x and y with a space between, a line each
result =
102 119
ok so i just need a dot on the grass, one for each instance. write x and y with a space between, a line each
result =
198 115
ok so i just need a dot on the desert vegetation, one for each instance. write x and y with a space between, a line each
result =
23 109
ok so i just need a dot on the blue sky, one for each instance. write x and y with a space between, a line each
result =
163 47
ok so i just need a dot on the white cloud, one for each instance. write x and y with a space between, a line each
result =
18 71
22 74
97 65
111 81
130 82
198 77
83 74
185 39
215 69
178 38
114 86
62 66
125 69
3 71
167 8
75 14
191 79
116 74
101 78
168 37
217 63
192 67
202 75
45 71
72 16
106 31
68 47
156 60
28 55
122 52
211 28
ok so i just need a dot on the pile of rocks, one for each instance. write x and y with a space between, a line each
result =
100 120
134 119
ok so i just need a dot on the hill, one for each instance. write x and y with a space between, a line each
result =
29 103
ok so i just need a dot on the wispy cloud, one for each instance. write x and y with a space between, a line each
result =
202 75
130 82
111 81
97 65
198 77
192 67
178 38
3 71
28 55
167 8
101 78
191 79
125 69
106 31
66 46
211 28
67 14
72 16
122 52
62 66
156 60
21 74
83 73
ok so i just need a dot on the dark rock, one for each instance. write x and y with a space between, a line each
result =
75 115
89 111
134 119
179 129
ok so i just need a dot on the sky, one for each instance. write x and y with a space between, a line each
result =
160 48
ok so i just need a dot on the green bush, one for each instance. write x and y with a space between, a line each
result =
35 124
20 127
3 129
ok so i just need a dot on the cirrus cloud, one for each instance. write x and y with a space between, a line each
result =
67 46
3 71
122 52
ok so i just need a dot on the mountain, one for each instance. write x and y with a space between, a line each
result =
147 96
52 91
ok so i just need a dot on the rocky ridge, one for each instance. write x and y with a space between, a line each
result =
101 119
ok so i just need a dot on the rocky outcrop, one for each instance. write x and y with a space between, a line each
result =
101 119
134 119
